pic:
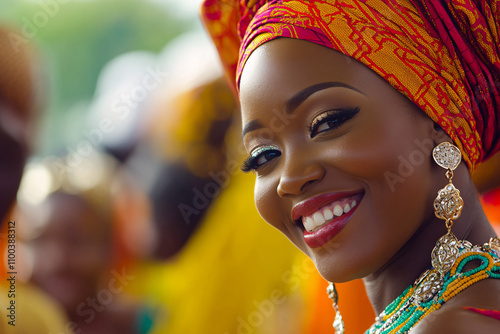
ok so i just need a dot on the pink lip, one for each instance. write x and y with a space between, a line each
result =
310 206
329 231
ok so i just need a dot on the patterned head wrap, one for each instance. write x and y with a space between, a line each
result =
443 55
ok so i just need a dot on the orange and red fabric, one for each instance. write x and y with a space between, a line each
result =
443 55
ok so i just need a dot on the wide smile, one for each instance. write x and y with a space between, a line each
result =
324 216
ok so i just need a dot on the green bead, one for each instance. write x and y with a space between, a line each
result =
411 316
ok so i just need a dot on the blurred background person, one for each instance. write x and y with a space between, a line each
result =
20 103
71 242
76 38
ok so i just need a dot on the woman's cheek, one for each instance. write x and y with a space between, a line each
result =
266 201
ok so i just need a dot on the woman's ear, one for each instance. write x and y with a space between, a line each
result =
439 135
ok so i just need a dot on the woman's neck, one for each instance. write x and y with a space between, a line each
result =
414 257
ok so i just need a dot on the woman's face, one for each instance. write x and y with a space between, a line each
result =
337 150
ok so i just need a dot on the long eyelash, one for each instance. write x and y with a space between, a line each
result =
342 114
248 164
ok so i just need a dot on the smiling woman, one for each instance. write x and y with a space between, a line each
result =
328 164
346 107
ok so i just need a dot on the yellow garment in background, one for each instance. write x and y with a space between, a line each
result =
234 276
36 312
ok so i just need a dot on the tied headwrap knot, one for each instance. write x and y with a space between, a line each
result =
443 55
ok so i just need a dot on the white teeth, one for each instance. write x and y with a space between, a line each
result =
308 223
318 218
347 208
338 211
325 214
328 214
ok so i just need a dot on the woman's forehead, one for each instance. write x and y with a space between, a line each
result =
281 68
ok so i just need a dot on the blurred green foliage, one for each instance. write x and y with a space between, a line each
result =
78 38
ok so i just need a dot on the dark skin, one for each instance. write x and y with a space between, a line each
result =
72 258
389 238
13 152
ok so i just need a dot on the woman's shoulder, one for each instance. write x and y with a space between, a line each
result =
457 321
474 310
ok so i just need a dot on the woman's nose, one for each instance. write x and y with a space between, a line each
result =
297 176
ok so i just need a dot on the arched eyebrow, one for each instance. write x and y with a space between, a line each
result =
296 100
251 126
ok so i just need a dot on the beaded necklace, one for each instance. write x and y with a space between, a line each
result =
430 291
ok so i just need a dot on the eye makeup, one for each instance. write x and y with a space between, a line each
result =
326 121
330 120
253 162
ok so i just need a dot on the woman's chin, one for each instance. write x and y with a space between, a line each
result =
340 273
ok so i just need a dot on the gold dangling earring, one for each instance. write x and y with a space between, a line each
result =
448 206
338 323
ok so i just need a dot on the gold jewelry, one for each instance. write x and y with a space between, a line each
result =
448 277
448 206
404 312
338 323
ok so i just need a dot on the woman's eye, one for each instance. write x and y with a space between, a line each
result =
331 120
266 157
259 157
